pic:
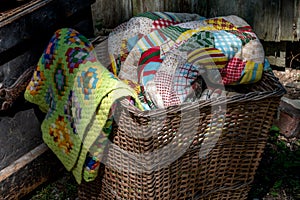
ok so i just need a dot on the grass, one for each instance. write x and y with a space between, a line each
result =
278 173
63 188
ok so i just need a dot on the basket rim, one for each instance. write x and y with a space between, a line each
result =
253 96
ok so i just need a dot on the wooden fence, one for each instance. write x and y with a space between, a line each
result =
272 20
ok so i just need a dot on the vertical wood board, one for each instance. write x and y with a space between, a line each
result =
108 14
272 20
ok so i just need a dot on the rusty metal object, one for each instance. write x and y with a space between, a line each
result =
8 95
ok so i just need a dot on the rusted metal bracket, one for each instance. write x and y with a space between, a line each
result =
8 95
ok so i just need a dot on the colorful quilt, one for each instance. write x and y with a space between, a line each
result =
125 36
168 60
77 93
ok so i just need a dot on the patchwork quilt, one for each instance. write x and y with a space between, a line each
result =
170 55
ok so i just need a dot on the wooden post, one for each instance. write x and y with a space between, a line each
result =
107 14
140 6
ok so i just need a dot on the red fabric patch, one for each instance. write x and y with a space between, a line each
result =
152 54
245 29
232 72
162 23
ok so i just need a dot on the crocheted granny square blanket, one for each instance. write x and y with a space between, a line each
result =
77 93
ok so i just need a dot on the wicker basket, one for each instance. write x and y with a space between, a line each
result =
200 150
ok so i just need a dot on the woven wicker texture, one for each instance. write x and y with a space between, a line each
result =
218 150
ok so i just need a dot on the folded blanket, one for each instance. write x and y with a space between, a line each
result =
77 93
168 61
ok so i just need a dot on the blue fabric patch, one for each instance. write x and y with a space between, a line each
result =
151 66
228 43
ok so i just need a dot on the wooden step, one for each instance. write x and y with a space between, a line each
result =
28 172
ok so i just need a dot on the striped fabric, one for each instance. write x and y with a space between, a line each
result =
150 55
150 15
208 57
173 32
160 15
155 38
148 65
186 35
168 15
252 72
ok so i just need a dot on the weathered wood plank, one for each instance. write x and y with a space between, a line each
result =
140 6
275 53
108 14
20 11
287 19
171 5
38 21
18 30
189 6
272 20
267 21
28 172
23 161
245 9
296 28
18 136
200 7
11 71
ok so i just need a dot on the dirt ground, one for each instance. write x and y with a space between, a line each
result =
273 181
